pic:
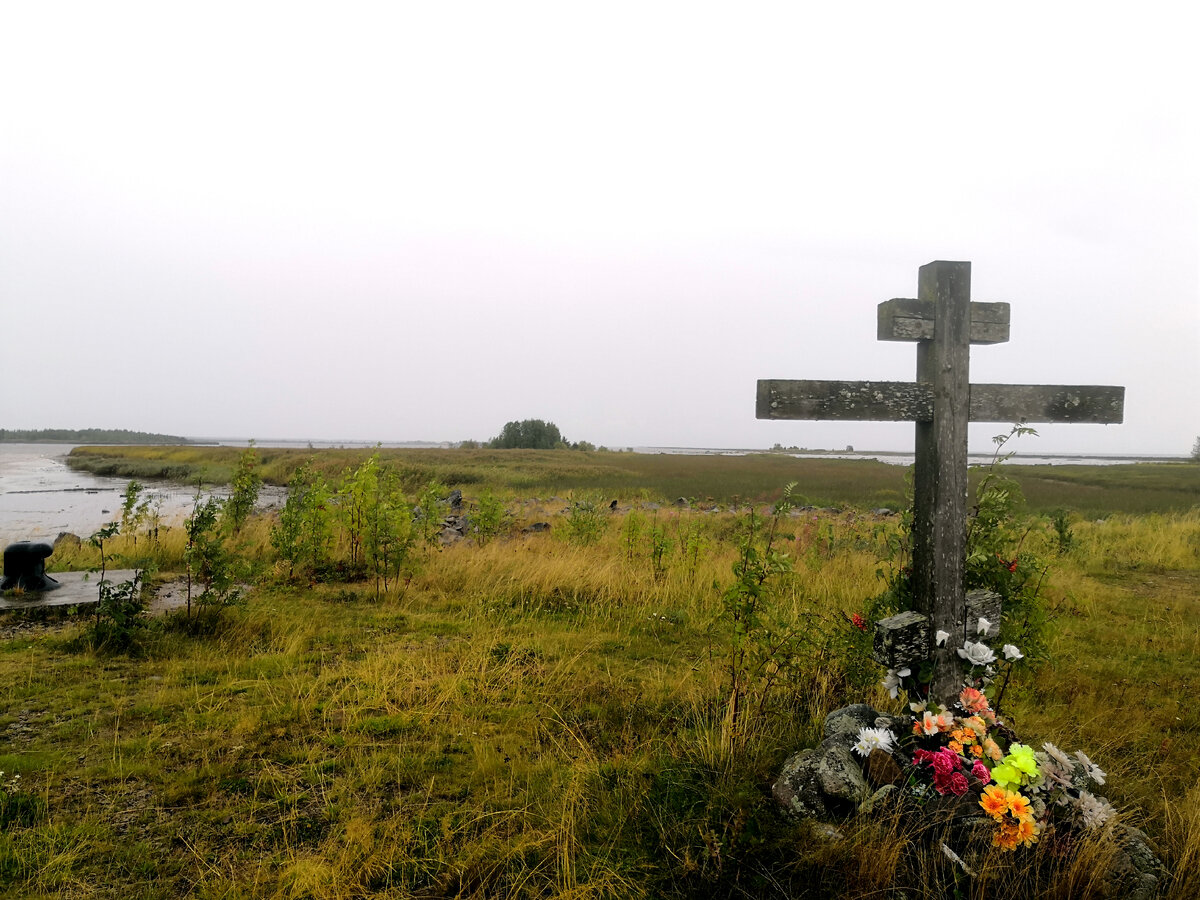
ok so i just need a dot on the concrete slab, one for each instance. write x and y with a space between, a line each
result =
78 588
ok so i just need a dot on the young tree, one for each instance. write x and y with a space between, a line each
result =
133 509
244 490
304 531
208 561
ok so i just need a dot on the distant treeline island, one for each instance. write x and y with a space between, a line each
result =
87 436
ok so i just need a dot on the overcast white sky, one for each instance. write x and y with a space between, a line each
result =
405 221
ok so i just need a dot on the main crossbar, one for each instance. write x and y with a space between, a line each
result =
898 401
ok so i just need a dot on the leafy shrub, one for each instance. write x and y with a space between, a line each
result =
490 518
585 522
119 614
207 559
304 531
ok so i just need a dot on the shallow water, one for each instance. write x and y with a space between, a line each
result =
40 497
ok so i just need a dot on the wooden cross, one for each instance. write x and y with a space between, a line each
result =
944 322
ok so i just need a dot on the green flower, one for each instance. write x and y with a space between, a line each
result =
1007 776
1022 758
1018 768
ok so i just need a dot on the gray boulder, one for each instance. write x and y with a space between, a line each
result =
798 788
1136 872
847 722
827 781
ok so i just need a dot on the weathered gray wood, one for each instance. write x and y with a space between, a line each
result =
887 401
983 604
902 640
939 534
900 401
913 320
1078 403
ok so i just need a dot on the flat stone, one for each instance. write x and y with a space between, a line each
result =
77 588
847 721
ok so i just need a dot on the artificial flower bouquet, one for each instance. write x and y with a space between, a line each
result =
966 751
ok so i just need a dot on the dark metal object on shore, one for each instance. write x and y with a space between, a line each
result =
25 567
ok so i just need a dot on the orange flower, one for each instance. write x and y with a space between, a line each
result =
973 700
993 751
1006 837
977 750
955 746
1027 832
994 801
963 735
930 724
1019 807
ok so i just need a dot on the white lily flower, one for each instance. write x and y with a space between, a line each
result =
891 684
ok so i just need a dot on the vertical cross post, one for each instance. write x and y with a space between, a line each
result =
940 474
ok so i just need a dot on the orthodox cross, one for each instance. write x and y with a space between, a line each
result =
944 322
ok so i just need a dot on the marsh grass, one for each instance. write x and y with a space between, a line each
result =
535 717
863 483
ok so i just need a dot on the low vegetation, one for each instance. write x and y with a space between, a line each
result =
585 710
1085 490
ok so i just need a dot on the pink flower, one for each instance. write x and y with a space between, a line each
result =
980 771
944 761
957 783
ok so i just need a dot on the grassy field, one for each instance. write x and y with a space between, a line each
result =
539 717
1087 490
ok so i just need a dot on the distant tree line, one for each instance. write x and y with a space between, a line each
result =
87 436
529 434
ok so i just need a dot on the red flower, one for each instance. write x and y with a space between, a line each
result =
858 622
944 761
957 783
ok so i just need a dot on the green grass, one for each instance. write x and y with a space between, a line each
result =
535 718
1089 490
